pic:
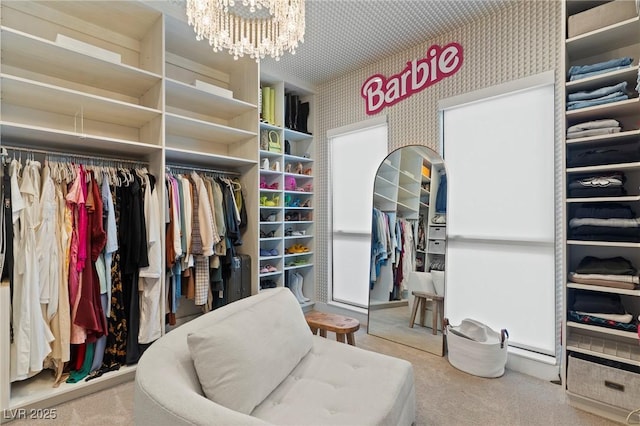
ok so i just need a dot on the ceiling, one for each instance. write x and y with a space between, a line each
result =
345 35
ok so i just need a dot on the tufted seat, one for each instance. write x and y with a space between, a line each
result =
255 361
342 384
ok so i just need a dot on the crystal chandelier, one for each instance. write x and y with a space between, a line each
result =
257 28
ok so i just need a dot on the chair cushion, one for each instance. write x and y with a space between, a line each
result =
339 384
243 357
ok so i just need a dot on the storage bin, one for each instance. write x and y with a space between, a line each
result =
437 232
614 386
436 246
475 348
601 16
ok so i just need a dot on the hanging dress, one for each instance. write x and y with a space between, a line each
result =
32 336
151 296
116 351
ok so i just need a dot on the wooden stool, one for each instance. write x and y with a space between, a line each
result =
341 325
420 302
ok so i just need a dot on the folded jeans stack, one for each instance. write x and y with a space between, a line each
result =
601 96
578 72
593 128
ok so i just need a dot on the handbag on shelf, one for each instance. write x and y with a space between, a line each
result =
274 141
264 140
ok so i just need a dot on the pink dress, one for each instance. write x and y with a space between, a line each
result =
75 202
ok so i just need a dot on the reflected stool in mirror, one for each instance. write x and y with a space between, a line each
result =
343 326
420 301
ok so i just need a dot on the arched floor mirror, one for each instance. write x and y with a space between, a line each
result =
408 249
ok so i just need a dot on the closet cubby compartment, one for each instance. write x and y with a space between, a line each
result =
602 157
604 42
127 79
197 120
130 30
290 166
29 104
62 97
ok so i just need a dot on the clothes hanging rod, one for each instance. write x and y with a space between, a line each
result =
175 167
67 154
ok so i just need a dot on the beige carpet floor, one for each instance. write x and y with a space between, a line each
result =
445 396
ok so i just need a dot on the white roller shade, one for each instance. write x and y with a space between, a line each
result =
499 153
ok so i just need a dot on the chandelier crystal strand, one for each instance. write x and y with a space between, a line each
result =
257 28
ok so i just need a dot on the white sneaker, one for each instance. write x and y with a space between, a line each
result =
265 164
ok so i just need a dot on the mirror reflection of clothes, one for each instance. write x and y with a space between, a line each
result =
441 195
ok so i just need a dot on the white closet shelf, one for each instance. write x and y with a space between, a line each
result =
268 172
198 158
269 154
594 42
295 136
45 97
292 158
387 167
190 98
57 140
603 243
405 208
602 289
272 191
381 182
297 254
604 199
183 44
204 130
407 178
602 80
604 167
406 194
38 391
383 199
270 274
45 57
621 108
604 348
604 330
424 205
613 138
306 265
268 126
298 237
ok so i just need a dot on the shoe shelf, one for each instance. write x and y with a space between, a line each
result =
270 274
295 161
306 265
